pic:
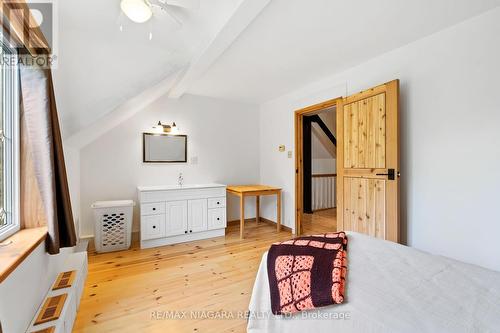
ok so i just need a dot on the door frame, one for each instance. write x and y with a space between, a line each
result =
299 163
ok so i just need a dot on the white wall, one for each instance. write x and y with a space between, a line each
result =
223 135
72 159
450 117
25 288
323 165
322 160
318 149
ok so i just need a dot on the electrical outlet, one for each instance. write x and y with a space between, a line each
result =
290 154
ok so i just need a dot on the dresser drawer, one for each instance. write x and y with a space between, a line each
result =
217 202
153 208
152 227
216 218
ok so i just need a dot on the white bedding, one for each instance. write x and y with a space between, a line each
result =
393 288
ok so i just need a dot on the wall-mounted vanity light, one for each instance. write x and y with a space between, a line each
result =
164 144
165 128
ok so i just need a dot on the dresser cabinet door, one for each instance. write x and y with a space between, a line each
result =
176 218
197 215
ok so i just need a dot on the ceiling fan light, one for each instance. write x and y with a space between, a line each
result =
136 10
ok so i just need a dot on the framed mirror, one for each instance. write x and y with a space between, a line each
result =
164 148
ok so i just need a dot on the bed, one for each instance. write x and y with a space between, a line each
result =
393 288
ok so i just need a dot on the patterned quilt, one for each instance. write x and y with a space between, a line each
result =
307 272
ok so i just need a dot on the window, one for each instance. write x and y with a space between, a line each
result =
9 143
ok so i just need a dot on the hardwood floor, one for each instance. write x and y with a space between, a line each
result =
320 221
126 290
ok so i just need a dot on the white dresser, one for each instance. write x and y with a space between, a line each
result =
175 214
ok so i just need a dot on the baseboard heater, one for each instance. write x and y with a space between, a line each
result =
57 313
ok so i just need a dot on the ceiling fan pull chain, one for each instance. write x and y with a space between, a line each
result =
151 30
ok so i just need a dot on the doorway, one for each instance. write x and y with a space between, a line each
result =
367 162
315 129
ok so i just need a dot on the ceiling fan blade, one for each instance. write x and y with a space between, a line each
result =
175 18
187 4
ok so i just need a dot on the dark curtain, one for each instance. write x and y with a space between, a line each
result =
45 198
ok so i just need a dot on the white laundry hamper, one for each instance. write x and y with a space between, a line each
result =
113 225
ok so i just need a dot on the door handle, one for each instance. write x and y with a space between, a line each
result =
391 174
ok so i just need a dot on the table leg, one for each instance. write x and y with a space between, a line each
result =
242 215
278 213
257 208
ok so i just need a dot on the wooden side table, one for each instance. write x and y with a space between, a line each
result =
243 191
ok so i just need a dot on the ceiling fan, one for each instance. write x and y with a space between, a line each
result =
141 11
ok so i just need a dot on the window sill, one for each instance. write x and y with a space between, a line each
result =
18 247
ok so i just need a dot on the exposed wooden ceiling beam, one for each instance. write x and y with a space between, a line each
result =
122 112
178 83
247 11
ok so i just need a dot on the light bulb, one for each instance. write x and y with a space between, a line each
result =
136 10
175 129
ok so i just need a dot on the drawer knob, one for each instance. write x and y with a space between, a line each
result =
190 230
154 208
218 203
218 219
154 227
186 232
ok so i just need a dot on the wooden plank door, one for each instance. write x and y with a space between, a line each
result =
368 162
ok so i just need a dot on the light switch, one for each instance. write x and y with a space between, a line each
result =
281 148
290 154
